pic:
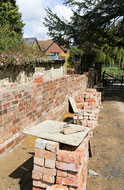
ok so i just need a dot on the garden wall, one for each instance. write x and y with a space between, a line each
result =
28 104
15 69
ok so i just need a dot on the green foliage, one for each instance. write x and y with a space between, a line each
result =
10 25
115 71
110 56
98 22
72 52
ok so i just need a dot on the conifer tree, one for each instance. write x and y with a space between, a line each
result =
11 24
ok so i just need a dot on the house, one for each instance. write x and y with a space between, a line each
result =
32 43
53 50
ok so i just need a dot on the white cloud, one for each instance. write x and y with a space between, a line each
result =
33 14
63 11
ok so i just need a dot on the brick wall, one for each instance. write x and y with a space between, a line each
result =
25 105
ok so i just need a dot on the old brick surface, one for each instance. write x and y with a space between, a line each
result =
68 156
67 167
39 161
49 163
52 146
61 173
40 184
57 187
48 178
67 181
44 170
45 154
40 143
37 175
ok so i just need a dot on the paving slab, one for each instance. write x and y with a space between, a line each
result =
52 130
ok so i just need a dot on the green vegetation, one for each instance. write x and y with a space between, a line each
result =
115 71
11 25
96 28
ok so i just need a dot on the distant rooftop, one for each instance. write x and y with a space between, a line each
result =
29 41
44 45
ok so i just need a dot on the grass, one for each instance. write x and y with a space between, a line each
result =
115 71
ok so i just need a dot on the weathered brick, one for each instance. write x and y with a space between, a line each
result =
52 146
49 163
46 171
40 143
68 156
45 154
61 173
48 178
67 181
38 188
67 167
57 187
40 184
37 175
39 161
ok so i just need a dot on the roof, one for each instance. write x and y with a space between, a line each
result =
29 41
44 45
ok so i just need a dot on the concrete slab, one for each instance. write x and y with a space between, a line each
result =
51 130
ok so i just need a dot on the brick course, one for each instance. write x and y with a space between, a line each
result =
29 104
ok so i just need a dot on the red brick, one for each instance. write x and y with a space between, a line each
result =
2 150
38 80
73 174
67 167
49 163
45 154
40 184
68 156
46 171
37 175
67 181
90 100
57 187
61 173
16 121
52 146
6 105
40 144
15 102
10 144
37 188
48 178
39 161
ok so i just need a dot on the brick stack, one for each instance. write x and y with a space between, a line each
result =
56 163
44 164
88 104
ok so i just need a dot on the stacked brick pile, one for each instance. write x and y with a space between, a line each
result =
88 104
55 163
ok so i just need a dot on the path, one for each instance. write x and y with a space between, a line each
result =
108 147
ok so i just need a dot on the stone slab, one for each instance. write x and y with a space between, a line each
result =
51 130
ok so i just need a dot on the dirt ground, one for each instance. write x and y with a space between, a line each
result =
107 154
108 147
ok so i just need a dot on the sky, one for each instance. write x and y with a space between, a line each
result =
33 13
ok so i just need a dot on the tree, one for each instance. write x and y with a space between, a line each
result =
93 22
96 28
10 24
